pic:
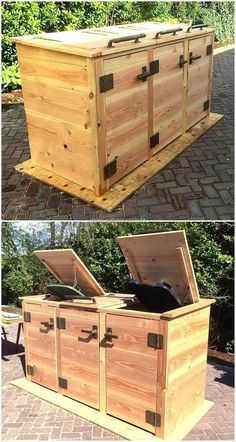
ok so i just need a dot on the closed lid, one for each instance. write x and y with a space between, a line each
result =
68 268
93 42
158 257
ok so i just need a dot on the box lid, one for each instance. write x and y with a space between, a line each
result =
162 257
68 268
94 42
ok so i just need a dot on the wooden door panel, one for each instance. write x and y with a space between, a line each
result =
131 370
41 345
127 113
168 95
199 73
79 357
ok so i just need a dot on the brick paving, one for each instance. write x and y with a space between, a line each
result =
197 185
25 417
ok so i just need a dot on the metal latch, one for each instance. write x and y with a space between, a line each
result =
61 323
155 341
62 383
110 169
27 316
106 82
153 418
30 370
209 49
154 140
206 105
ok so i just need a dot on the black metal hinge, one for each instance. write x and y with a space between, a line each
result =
153 418
110 169
30 370
155 341
61 323
206 105
27 316
209 49
62 383
154 67
154 140
106 82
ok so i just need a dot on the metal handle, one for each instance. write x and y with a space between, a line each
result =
168 31
109 336
192 57
196 27
93 332
48 324
145 74
182 61
128 38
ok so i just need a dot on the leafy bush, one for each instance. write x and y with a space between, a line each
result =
10 77
22 18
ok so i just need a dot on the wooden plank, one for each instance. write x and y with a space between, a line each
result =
155 258
177 313
124 429
186 365
70 269
102 365
133 181
131 370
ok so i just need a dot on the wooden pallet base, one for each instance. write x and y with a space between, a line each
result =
124 429
133 181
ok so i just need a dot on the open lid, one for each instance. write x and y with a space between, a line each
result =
68 268
162 257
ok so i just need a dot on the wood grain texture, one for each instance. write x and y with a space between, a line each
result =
198 80
79 353
133 181
186 368
131 367
68 268
156 260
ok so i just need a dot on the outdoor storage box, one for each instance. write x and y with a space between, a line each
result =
99 102
145 368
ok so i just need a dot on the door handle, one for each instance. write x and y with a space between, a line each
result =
48 324
109 336
93 332
128 38
182 61
145 74
192 57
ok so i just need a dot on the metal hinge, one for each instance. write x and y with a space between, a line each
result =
30 370
106 82
110 169
209 49
61 323
153 418
62 383
27 316
155 341
206 105
154 140
154 67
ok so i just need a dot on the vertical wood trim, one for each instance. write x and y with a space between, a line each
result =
162 379
102 365
210 72
150 105
185 87
184 271
101 153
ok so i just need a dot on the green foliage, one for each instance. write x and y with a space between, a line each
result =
22 18
10 77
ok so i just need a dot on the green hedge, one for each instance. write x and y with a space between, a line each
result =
22 18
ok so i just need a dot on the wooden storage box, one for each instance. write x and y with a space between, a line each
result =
145 368
100 102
